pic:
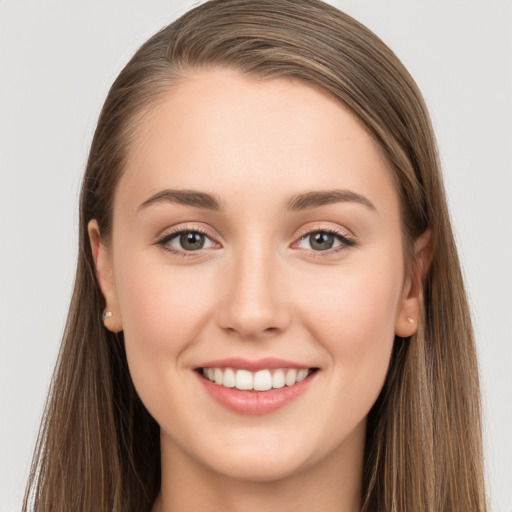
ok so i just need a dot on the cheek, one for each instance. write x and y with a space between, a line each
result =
160 306
353 301
163 312
352 315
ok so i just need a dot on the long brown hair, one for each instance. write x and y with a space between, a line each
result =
98 448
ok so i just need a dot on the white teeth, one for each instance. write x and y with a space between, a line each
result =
244 380
229 379
291 377
262 380
301 375
278 379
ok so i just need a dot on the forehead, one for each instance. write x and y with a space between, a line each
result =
230 135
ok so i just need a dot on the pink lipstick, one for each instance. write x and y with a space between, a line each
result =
255 387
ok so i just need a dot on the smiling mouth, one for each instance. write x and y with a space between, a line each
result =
262 380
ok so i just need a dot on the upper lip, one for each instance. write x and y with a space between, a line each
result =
266 363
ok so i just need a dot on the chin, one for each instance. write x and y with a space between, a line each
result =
265 462
263 471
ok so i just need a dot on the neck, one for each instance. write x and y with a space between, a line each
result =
333 484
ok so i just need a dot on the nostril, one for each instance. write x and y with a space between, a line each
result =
253 334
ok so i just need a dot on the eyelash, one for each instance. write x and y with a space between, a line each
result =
345 241
164 241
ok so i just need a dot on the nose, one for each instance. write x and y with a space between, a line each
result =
254 302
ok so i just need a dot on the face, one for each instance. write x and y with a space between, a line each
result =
256 242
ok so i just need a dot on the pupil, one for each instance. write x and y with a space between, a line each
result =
321 241
192 241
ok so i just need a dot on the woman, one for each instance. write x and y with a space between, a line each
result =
268 311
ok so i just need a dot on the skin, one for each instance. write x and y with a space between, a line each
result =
257 289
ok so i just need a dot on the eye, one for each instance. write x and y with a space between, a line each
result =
186 241
323 240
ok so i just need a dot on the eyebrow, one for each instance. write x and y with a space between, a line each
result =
315 199
184 197
298 202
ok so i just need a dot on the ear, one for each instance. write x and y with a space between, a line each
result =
409 310
103 264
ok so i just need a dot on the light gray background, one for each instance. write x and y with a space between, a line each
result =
57 60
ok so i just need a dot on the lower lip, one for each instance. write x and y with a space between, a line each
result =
255 402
